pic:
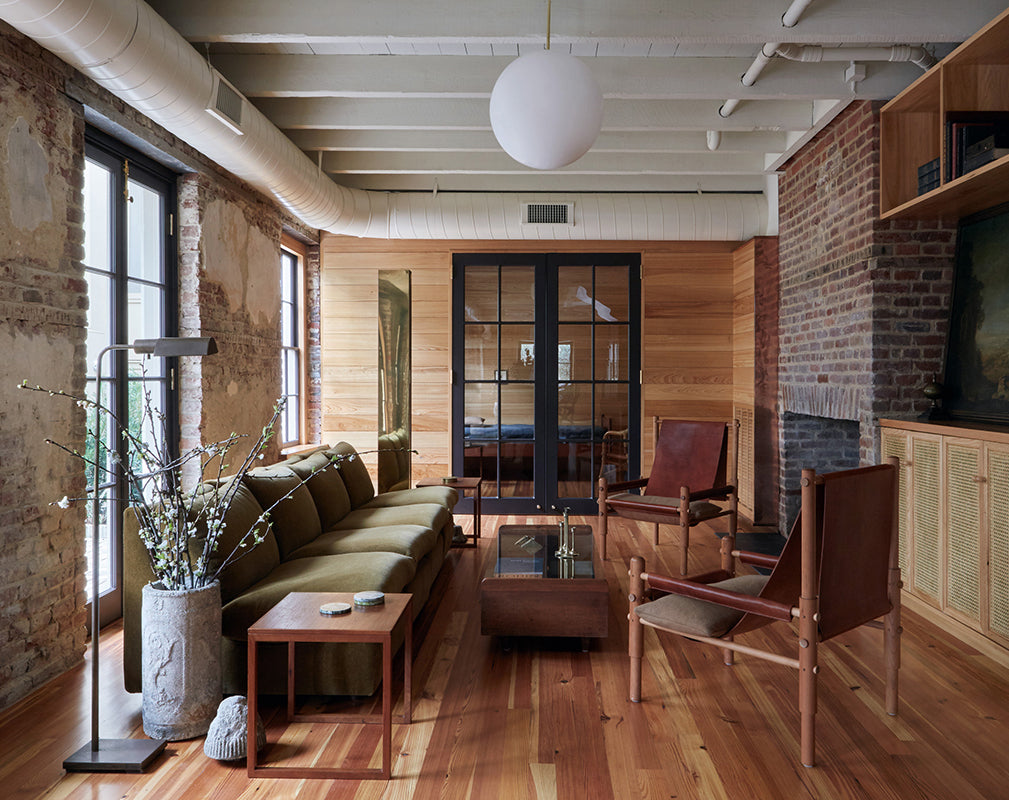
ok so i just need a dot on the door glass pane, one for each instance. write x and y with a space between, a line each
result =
574 294
481 293
518 410
517 352
142 425
98 429
98 226
518 294
145 319
99 319
612 303
144 236
611 353
574 407
481 410
574 352
612 406
481 352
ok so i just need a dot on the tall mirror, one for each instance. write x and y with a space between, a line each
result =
393 380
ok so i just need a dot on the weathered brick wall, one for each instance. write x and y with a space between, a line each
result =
229 255
229 288
864 303
43 307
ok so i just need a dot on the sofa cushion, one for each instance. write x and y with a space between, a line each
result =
350 572
427 515
244 514
410 540
281 492
442 495
326 486
355 474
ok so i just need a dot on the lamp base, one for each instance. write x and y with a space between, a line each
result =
115 755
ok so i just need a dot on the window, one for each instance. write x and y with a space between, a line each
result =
130 269
291 343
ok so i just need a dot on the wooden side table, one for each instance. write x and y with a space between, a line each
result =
296 618
463 485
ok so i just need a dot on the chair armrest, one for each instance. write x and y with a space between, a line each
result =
621 485
757 559
723 597
715 491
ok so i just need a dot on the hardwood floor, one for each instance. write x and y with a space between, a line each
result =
544 720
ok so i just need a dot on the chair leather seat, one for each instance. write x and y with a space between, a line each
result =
699 617
699 509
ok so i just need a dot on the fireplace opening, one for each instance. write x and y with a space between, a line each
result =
820 443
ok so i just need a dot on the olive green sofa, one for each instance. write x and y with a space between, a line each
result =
332 534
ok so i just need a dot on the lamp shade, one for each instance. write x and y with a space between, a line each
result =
546 109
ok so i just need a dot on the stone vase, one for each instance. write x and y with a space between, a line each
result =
181 662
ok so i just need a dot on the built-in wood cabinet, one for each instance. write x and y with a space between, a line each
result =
972 82
954 523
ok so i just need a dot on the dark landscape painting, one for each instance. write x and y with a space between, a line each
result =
977 356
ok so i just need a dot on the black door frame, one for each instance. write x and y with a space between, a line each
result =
545 478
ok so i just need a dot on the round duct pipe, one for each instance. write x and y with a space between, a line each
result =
134 54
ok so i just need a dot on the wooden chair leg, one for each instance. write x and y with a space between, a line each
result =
807 682
635 630
728 656
891 646
684 527
603 518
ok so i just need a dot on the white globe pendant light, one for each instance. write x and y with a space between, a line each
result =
546 109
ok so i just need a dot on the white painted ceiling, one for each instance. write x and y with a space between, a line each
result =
391 95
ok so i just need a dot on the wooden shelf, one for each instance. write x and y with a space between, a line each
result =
973 78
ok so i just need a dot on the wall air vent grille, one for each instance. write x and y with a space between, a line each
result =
227 105
548 213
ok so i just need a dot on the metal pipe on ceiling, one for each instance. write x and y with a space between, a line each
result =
133 53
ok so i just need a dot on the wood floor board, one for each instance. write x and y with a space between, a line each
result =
541 719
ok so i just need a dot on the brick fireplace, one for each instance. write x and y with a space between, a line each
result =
863 305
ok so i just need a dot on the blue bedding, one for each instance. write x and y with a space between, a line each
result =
566 433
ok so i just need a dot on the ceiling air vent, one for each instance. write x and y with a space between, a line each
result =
227 105
548 214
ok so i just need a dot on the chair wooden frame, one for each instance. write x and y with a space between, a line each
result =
760 610
631 507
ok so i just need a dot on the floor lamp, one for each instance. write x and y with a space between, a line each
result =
121 755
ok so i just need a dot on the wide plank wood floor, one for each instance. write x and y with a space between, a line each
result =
541 719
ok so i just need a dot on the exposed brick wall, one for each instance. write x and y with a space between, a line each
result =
864 303
43 308
229 288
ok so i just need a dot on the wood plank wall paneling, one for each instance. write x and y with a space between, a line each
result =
687 333
743 324
743 368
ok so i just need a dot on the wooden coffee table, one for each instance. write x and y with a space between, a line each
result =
296 618
528 591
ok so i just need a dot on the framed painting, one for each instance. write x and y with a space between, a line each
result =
977 351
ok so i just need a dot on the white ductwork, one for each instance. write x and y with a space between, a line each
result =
814 53
133 53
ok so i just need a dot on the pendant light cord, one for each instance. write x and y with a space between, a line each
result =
548 24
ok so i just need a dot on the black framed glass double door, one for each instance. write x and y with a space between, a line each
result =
546 368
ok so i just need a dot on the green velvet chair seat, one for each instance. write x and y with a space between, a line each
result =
441 495
350 572
691 616
409 540
427 515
